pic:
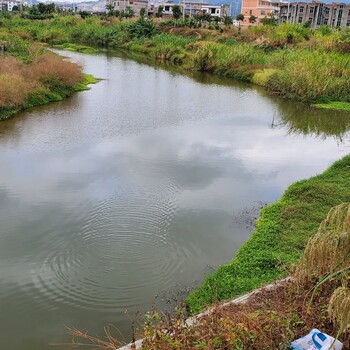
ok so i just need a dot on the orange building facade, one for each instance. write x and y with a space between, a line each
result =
260 9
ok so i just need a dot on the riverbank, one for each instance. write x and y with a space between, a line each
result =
30 75
43 97
279 238
288 60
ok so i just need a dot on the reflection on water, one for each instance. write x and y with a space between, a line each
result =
304 120
130 190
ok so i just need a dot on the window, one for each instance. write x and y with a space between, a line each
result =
263 12
300 19
251 12
311 10
166 8
327 12
301 9
212 11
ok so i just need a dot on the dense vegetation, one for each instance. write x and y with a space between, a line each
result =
293 61
30 75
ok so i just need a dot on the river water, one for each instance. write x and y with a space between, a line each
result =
130 192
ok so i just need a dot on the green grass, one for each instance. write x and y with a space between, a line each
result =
88 79
76 48
343 106
279 238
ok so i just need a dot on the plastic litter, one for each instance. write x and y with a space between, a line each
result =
316 340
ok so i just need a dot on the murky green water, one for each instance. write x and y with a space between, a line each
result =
133 189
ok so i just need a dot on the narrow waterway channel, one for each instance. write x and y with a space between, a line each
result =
136 188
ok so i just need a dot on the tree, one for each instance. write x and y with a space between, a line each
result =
142 12
129 12
46 8
240 17
177 12
228 20
252 19
160 11
269 21
307 24
110 9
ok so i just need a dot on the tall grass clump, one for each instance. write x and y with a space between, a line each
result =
311 75
327 258
328 251
15 84
55 72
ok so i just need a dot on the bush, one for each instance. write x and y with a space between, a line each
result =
142 28
54 72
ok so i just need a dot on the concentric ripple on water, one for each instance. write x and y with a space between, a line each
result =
122 235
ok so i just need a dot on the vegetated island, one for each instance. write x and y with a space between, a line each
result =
289 60
30 75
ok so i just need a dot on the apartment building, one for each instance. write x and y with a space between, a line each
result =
259 9
7 5
317 13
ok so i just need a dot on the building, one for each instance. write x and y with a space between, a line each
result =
6 5
217 11
260 9
190 8
135 5
317 13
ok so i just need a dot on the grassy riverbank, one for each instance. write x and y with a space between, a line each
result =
288 60
279 238
31 76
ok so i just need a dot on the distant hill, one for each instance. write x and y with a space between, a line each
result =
94 6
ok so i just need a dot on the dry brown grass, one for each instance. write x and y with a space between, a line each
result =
51 68
339 307
14 90
329 249
271 319
14 83
18 80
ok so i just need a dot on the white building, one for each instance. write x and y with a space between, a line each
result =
7 5
217 11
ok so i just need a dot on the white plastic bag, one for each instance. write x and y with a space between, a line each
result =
316 340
